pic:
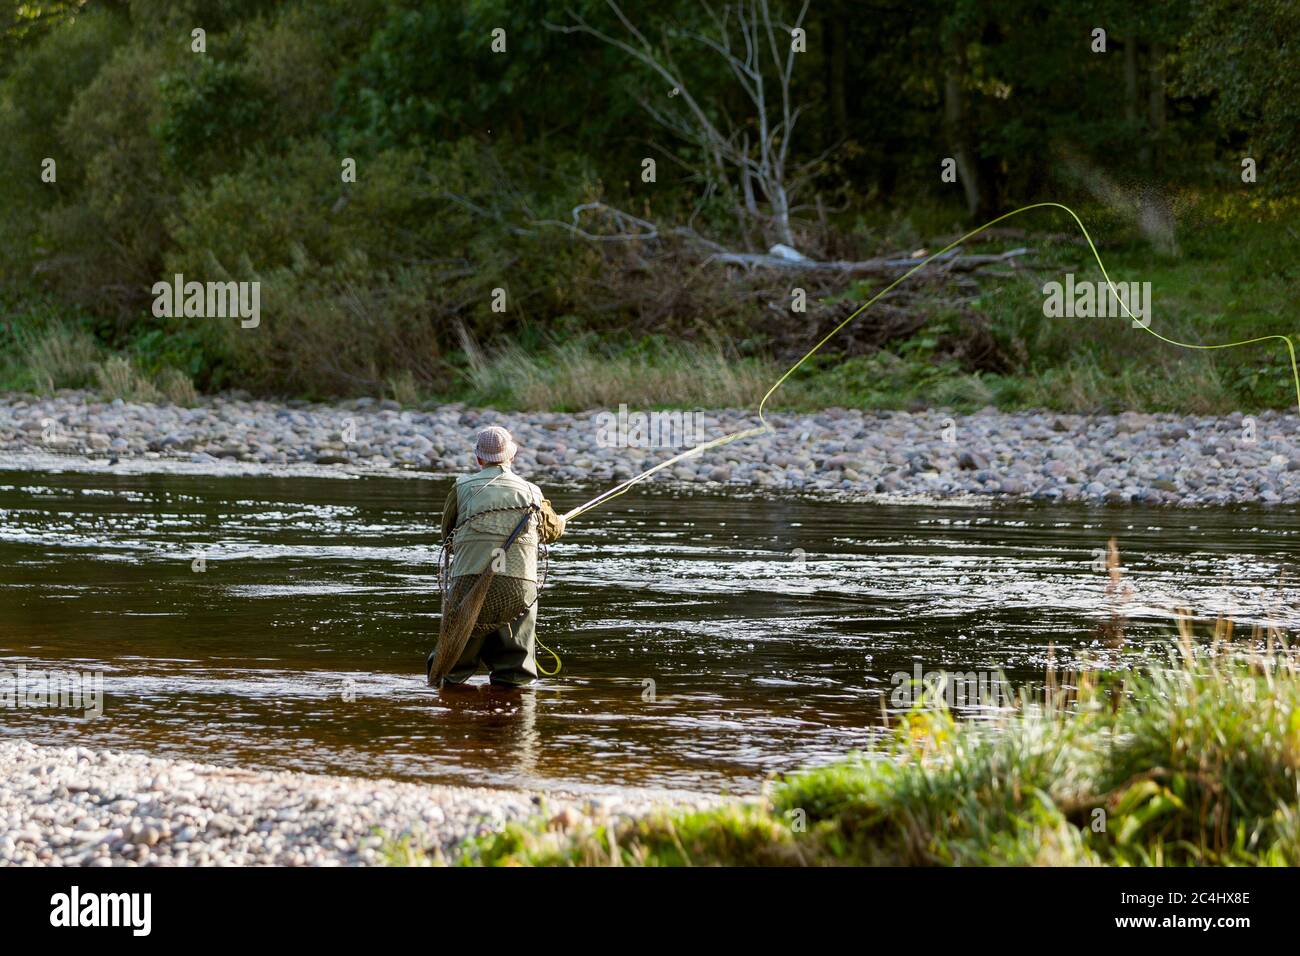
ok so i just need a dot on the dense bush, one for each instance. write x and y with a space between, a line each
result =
105 241
210 115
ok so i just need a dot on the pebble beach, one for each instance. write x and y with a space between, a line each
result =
1157 459
71 806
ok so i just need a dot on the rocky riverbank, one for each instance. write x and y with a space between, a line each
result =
67 806
1151 459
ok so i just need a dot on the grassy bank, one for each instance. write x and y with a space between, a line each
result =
1194 763
1222 277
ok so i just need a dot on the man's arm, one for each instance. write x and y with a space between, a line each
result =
449 513
549 524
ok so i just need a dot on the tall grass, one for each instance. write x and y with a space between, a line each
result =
118 378
577 375
56 355
60 356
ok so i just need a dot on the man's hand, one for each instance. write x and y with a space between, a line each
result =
550 526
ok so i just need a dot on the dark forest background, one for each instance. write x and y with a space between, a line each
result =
471 164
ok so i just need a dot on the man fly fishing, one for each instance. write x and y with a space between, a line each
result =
492 526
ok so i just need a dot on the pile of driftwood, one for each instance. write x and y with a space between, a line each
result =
625 227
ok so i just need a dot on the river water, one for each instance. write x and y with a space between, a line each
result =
708 640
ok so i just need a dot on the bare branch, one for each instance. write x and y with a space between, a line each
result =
765 187
950 261
648 229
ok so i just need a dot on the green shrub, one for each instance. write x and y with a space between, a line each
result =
211 112
106 242
427 76
291 63
35 95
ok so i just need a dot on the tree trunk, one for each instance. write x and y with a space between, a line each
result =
781 213
839 28
955 121
1156 101
1131 79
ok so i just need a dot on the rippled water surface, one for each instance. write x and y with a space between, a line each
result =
707 640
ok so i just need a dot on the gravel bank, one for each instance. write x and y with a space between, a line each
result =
72 806
1152 459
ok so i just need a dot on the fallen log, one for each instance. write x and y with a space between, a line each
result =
631 228
951 261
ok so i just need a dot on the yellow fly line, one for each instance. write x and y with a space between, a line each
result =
558 663
621 488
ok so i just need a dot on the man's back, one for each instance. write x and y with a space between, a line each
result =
487 507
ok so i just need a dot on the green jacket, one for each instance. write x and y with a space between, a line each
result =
483 509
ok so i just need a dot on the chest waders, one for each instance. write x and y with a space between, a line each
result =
458 622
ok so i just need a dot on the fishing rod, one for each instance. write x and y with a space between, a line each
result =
623 487
618 489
